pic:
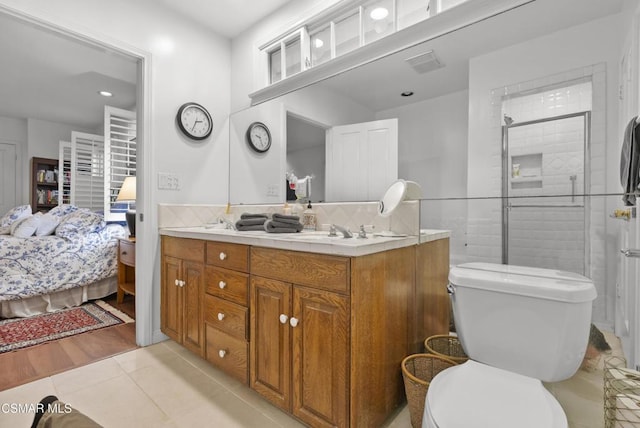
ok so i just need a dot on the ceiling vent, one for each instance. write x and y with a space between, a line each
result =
425 62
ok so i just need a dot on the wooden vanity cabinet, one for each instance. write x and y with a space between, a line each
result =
300 350
320 336
226 311
182 273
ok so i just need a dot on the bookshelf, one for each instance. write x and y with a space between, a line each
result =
44 184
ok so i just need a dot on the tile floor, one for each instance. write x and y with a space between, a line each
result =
164 385
160 386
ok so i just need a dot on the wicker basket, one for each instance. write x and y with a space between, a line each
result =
417 371
446 346
621 394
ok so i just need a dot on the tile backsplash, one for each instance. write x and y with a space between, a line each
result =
404 220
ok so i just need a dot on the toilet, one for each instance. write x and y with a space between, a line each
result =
519 326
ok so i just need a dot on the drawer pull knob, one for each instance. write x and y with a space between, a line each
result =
177 282
222 285
283 319
222 353
293 321
182 283
222 256
220 316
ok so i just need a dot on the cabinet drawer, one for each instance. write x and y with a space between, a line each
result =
226 316
127 252
315 270
228 353
230 256
183 248
227 284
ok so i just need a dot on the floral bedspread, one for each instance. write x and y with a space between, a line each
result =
44 264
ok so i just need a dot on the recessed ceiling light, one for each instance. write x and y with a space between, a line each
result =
379 13
319 43
407 93
105 93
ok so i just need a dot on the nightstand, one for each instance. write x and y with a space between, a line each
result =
126 267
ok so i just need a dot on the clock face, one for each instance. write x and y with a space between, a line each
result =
259 137
194 121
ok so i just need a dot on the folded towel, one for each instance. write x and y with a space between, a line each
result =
273 226
251 215
243 228
250 221
282 218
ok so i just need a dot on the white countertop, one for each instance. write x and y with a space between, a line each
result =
313 242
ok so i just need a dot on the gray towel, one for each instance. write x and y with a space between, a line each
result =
250 215
630 163
250 227
251 223
283 218
273 226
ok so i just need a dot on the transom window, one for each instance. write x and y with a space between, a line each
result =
347 28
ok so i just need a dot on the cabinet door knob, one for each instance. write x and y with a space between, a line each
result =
177 282
293 321
283 319
183 283
222 256
222 353
220 316
222 285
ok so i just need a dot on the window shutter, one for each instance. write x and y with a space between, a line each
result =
87 170
64 173
120 155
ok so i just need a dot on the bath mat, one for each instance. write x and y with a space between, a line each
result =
17 333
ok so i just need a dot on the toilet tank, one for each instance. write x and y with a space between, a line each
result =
525 320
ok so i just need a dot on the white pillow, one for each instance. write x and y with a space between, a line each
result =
13 215
25 227
47 224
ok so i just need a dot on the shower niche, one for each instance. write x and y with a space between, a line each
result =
526 171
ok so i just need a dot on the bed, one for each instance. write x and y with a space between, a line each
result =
74 262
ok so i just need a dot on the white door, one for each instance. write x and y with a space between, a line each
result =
361 160
8 189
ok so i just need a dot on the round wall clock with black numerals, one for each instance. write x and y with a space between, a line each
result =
259 137
194 121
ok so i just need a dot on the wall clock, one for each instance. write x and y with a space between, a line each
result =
259 137
194 121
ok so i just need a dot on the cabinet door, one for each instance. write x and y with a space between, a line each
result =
271 340
171 299
193 321
320 357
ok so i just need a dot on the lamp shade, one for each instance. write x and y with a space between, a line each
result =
128 190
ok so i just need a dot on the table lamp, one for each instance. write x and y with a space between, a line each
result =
128 194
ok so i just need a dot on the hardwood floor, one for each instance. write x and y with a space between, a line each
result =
36 362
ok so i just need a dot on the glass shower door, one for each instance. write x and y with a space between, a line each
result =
545 178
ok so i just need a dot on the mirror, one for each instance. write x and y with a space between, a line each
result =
433 123
401 190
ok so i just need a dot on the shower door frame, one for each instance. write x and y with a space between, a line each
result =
587 183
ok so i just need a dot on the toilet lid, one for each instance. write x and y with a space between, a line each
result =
474 395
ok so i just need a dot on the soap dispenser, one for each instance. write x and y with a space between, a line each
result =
309 220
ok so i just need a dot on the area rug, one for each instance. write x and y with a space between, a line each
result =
17 333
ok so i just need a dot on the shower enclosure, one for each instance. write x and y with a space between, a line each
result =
545 164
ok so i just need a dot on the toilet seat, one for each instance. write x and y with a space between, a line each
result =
474 395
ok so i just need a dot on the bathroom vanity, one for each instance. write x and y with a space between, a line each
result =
318 327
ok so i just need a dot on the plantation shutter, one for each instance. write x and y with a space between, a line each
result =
87 170
120 155
64 173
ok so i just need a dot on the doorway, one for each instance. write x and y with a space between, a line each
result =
545 179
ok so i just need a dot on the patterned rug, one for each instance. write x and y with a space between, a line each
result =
16 333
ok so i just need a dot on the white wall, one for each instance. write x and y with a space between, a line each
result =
14 131
554 54
188 63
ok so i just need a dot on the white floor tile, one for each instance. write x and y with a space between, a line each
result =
24 395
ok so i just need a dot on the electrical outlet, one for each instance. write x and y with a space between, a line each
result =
168 181
272 190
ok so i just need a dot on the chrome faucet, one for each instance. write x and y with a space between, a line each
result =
346 233
228 224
